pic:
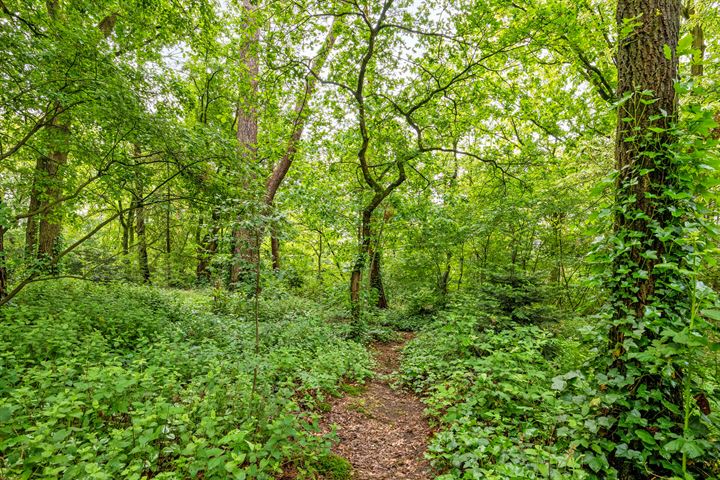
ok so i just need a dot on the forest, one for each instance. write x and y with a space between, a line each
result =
359 239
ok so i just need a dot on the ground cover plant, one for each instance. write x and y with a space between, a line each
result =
133 383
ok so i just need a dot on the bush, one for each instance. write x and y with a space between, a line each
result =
519 297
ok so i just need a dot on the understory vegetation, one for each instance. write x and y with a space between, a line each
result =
494 370
129 382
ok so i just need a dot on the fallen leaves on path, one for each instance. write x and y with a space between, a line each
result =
383 431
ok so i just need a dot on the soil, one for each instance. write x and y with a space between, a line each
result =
382 430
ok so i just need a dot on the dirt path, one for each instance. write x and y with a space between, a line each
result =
382 431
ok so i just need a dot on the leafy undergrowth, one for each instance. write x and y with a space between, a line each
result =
497 384
108 382
490 393
486 366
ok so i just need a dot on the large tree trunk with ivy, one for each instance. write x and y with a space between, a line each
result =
644 297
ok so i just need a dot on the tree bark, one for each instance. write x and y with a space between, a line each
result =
275 251
642 66
125 229
376 281
444 278
646 80
31 225
245 249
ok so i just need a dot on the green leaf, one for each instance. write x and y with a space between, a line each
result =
645 436
685 44
667 51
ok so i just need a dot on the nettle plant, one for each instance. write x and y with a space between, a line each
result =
644 411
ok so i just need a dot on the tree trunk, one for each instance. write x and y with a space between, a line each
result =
698 35
125 229
376 281
142 241
275 251
207 247
363 252
642 66
50 223
462 266
139 210
245 249
645 172
3 265
43 224
320 254
444 278
31 225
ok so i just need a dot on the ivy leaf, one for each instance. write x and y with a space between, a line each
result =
645 436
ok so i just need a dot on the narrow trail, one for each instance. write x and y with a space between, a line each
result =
383 431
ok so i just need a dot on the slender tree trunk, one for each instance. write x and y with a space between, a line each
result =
462 266
275 251
139 210
245 249
698 35
131 227
360 261
208 246
142 241
3 264
444 278
375 255
376 281
123 218
320 254
31 225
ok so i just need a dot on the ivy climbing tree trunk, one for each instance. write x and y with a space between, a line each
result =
645 299
647 76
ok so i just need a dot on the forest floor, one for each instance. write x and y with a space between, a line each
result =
382 429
